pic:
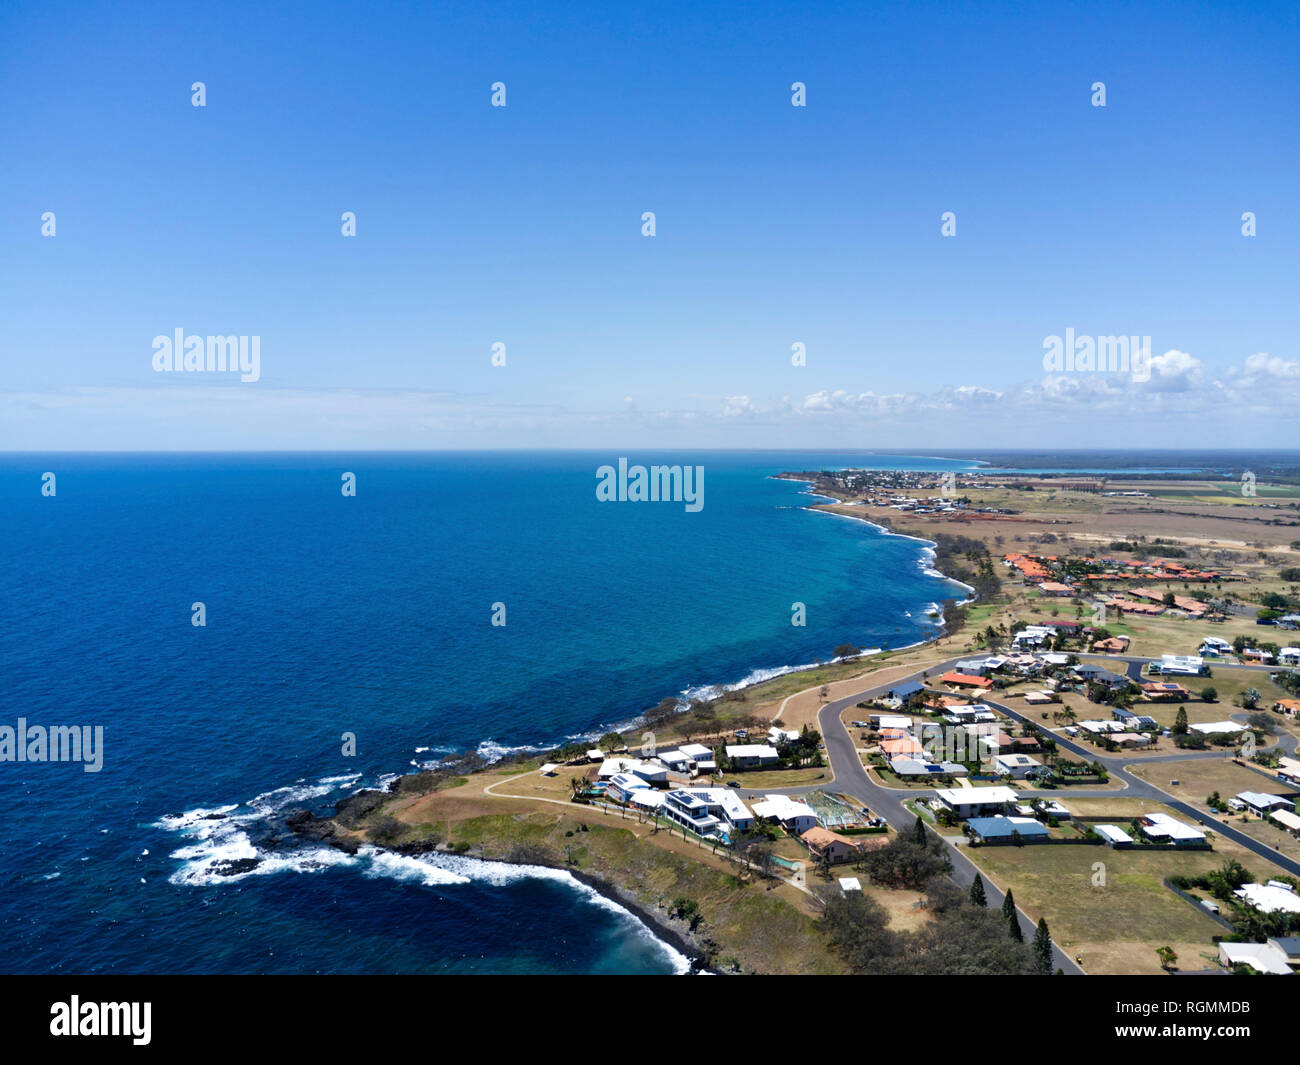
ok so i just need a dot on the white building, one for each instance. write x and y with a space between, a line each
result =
1182 665
1014 765
1113 835
752 755
1262 957
973 802
1164 829
707 811
1289 656
1273 897
791 813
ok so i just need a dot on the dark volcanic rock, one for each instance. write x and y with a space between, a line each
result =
235 866
350 810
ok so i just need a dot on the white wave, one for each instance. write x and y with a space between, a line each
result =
51 876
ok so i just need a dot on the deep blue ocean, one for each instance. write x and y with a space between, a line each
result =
372 615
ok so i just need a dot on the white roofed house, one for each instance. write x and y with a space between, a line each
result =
1261 803
1289 656
779 737
677 761
1182 665
1014 765
1161 828
620 786
1273 897
792 814
707 811
701 756
974 802
752 755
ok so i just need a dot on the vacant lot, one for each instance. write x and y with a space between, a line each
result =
1115 915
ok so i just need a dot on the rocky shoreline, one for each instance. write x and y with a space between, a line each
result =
674 932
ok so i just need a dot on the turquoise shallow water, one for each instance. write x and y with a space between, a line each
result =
371 615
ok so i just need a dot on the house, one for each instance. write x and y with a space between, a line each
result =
1287 820
1114 836
1033 636
965 680
791 813
1262 957
1161 828
1287 707
904 691
912 768
752 755
974 713
1055 588
1217 728
1289 656
822 841
650 772
1288 945
1254 654
779 737
1165 691
904 745
1260 803
677 761
973 667
1097 675
1131 720
1038 698
708 811
1182 665
620 786
648 798
595 755
1214 645
1006 829
1273 897
884 721
1288 771
1125 740
976 802
1111 645
701 756
850 883
1015 765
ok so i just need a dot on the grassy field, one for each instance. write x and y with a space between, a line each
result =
1114 925
1200 777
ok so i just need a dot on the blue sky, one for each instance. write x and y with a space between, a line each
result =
775 224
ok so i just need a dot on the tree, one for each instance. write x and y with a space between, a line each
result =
1043 947
1008 904
918 831
1013 927
1250 698
1209 693
847 650
1168 957
977 896
1180 722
